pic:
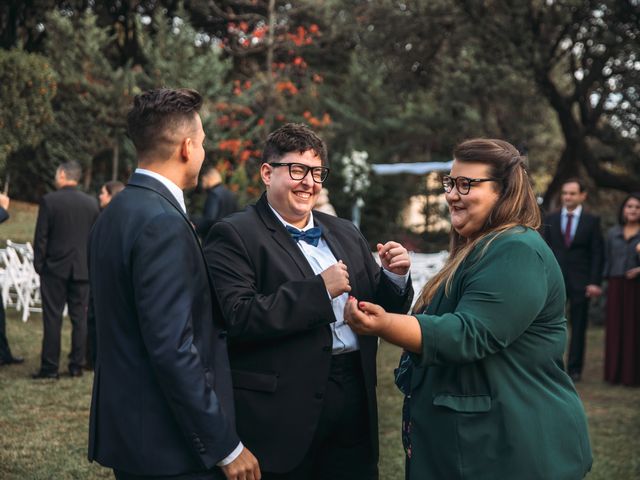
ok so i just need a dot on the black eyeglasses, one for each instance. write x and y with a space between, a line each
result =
297 171
463 184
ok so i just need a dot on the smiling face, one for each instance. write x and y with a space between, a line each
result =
470 212
292 199
631 211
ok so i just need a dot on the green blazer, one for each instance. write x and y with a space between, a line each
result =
489 395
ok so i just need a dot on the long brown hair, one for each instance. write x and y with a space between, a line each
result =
516 206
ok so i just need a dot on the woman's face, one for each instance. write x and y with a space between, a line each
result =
104 197
469 212
631 211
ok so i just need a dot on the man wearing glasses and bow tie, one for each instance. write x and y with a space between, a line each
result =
576 240
304 382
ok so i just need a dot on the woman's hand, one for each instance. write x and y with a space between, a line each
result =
365 318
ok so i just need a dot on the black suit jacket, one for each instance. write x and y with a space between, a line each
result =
64 220
220 202
162 399
581 262
277 313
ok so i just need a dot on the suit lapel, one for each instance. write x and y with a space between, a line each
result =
282 237
334 244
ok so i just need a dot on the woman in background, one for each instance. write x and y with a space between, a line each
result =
487 396
622 268
108 191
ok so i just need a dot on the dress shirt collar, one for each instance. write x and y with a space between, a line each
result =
173 188
576 213
309 224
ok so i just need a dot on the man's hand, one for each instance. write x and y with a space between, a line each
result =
244 467
394 258
633 273
4 201
593 291
336 279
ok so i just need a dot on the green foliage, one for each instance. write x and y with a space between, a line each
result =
177 57
27 85
92 96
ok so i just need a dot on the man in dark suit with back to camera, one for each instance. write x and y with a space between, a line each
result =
60 258
162 404
304 383
576 240
219 203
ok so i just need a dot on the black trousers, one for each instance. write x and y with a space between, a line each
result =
5 351
56 292
211 475
579 319
341 448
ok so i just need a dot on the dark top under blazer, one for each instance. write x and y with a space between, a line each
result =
162 398
64 220
277 313
581 262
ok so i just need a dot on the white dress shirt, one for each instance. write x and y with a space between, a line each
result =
176 191
574 221
320 258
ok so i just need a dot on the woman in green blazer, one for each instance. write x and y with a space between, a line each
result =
487 393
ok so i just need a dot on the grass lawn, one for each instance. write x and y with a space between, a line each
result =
43 424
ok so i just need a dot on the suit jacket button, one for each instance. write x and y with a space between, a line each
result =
319 395
222 335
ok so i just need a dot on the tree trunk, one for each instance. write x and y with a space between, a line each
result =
268 114
115 160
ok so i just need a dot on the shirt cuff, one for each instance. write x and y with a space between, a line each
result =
232 456
399 281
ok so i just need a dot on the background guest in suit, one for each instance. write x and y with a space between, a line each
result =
304 383
576 240
622 269
162 400
487 395
108 191
219 203
60 257
6 357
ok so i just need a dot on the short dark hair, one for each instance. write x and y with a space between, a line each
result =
293 137
72 170
581 185
113 187
155 112
621 219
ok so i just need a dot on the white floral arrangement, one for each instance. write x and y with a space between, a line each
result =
355 171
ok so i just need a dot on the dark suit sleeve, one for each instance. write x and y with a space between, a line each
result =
41 237
163 264
597 254
4 215
293 306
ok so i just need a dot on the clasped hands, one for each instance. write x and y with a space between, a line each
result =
393 258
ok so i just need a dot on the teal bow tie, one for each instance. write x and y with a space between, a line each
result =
311 236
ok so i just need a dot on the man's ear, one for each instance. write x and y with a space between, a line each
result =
266 171
186 147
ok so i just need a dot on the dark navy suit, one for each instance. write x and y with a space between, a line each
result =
162 398
581 264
